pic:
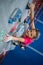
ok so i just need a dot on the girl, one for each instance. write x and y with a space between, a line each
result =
30 35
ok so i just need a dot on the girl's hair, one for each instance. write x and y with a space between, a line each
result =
37 34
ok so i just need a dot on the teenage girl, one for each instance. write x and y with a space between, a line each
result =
30 35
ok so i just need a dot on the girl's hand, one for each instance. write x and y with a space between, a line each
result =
32 5
7 38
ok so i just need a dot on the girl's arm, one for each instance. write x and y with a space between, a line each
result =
32 6
18 39
8 38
